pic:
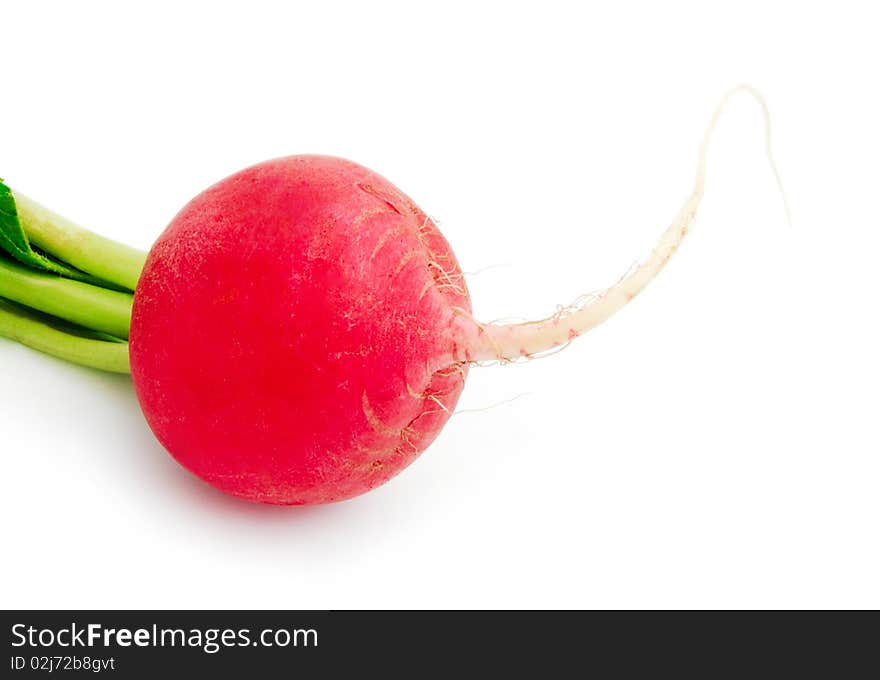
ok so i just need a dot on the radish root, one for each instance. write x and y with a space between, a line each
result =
511 342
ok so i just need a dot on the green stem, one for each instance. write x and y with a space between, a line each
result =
108 311
29 329
101 257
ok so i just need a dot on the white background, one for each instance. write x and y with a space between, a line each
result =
714 445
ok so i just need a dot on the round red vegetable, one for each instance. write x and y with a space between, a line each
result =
294 337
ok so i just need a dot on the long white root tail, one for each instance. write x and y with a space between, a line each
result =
495 342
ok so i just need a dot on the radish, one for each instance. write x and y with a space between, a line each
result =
299 333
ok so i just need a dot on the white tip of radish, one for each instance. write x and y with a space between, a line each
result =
489 342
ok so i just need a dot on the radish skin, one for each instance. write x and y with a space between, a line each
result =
293 332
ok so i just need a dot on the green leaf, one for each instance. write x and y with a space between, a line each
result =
15 242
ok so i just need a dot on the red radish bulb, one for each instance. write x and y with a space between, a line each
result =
295 334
